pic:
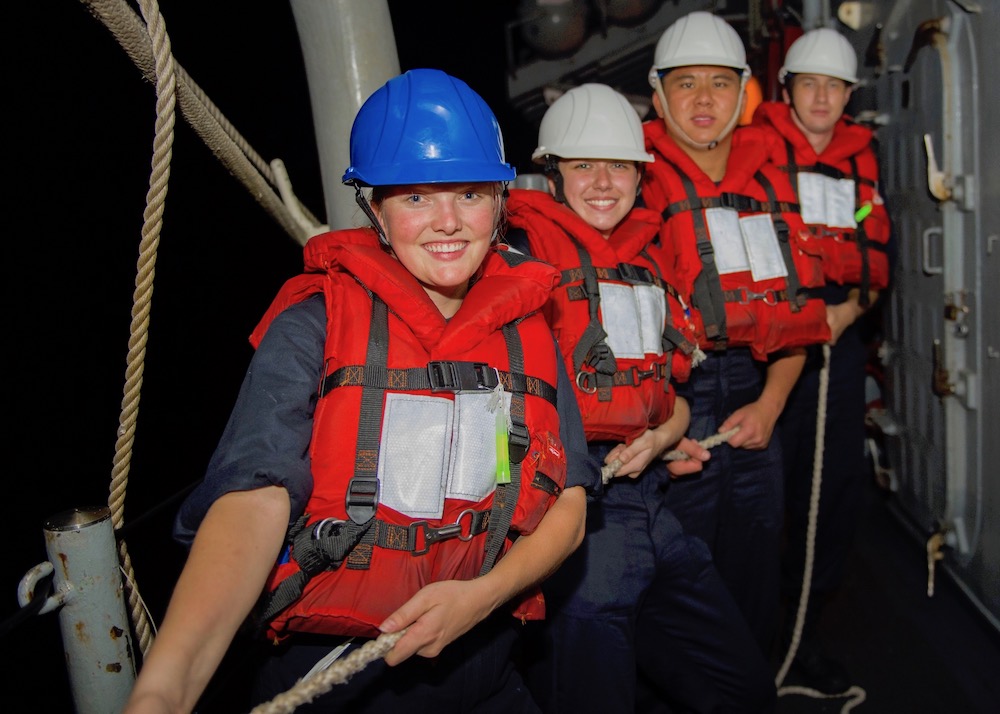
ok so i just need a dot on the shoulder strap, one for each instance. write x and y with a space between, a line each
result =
795 300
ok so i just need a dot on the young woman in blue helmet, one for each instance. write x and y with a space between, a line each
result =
397 456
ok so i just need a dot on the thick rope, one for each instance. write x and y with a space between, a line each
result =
305 690
215 131
148 45
817 480
163 140
608 470
856 695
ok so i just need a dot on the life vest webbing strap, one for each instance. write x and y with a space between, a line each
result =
321 546
418 537
744 296
795 301
793 169
362 491
671 338
505 495
437 376
736 201
862 239
592 350
578 292
631 377
623 272
707 285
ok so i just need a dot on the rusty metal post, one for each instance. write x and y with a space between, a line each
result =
87 590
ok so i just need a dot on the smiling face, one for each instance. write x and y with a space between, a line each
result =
440 233
818 101
702 101
600 191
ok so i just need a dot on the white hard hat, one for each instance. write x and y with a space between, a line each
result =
700 38
822 51
591 121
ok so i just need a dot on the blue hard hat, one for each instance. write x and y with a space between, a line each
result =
425 126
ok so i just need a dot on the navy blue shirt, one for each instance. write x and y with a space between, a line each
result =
266 441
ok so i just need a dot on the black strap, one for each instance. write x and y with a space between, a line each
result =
592 348
707 285
861 236
793 169
505 495
418 537
321 546
631 377
795 300
744 296
362 491
671 338
438 376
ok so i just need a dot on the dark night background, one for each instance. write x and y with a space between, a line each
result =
78 150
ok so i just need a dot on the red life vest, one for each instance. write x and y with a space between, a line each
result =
767 314
620 396
355 556
851 255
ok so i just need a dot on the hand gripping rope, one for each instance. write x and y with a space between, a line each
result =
608 470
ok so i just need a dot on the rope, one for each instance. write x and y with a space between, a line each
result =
163 140
608 470
305 690
217 133
857 694
817 479
146 42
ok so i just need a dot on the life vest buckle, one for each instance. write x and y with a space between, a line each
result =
518 441
422 536
583 382
745 295
741 204
449 376
635 274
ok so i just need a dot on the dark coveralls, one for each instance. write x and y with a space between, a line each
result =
641 595
737 498
844 469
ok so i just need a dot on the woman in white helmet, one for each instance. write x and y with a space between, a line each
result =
730 217
834 169
641 596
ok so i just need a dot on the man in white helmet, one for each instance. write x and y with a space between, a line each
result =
730 218
641 595
834 170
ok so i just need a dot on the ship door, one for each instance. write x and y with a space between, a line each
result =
940 332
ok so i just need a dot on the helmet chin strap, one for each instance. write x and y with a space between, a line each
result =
654 79
366 207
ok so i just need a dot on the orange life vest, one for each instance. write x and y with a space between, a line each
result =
405 476
620 395
768 313
852 254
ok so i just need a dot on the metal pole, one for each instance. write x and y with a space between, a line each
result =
350 51
88 593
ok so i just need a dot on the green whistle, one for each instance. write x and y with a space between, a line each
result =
862 213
